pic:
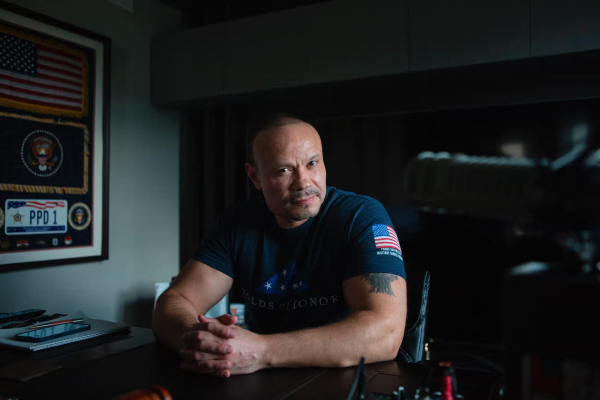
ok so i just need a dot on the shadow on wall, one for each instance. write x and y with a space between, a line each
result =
138 306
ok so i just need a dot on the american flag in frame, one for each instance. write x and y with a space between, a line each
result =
54 129
41 76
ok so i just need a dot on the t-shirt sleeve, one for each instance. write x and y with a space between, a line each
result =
373 244
216 249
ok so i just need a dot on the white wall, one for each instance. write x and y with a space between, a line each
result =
144 179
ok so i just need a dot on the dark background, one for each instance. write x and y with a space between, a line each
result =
466 255
371 128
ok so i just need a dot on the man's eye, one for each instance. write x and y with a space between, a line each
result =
312 163
282 170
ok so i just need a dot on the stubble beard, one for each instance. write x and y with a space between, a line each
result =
301 212
301 215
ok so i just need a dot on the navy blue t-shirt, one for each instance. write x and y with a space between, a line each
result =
292 278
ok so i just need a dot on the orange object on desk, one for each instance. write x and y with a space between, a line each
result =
155 392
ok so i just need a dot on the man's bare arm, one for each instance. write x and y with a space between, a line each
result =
374 330
195 291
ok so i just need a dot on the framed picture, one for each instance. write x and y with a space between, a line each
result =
54 122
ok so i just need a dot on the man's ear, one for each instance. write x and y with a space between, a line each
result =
252 172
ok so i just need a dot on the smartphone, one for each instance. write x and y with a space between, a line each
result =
51 332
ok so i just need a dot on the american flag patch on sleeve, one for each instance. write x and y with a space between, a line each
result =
385 237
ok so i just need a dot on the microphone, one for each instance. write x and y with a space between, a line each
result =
564 192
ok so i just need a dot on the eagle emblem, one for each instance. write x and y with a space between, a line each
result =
42 153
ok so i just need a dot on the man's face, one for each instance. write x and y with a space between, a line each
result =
290 171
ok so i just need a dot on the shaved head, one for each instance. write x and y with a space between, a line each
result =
288 167
267 124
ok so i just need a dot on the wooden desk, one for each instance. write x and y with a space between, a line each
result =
122 363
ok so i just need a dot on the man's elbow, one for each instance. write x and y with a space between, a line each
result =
385 349
386 346
160 316
157 315
157 321
390 345
395 346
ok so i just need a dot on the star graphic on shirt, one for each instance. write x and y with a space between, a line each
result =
268 285
300 284
284 272
295 286
282 287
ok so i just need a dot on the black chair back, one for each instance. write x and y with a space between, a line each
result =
413 344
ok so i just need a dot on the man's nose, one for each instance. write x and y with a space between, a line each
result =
302 179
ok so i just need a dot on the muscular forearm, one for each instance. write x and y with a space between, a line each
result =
342 344
174 316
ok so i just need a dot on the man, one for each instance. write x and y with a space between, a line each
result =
320 270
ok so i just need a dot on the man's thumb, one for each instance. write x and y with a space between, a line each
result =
227 319
204 319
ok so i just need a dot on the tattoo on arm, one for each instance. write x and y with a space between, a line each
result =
380 283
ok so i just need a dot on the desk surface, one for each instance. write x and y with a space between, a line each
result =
123 363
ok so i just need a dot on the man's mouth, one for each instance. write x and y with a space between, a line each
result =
304 200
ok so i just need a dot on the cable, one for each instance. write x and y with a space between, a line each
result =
359 376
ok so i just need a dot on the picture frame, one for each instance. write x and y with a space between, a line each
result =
54 130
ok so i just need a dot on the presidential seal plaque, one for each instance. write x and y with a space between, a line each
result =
80 216
42 153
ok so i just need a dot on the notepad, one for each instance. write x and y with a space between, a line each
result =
97 328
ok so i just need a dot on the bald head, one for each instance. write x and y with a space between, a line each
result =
266 126
296 138
289 169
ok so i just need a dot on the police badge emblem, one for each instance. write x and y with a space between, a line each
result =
42 153
17 217
80 216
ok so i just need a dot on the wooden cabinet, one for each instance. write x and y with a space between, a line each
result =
337 40
357 39
352 39
561 26
267 52
332 41
447 33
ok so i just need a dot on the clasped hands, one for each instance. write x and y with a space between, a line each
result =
216 346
